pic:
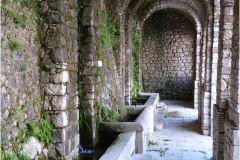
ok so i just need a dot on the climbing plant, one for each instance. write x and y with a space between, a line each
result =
135 57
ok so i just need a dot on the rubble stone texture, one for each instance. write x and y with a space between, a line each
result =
168 55
188 50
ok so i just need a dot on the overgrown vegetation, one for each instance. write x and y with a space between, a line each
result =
105 115
152 142
83 121
40 129
161 151
14 10
14 156
108 29
23 68
15 45
135 57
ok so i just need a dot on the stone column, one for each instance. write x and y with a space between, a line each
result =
214 58
217 115
128 63
204 109
59 39
232 126
197 78
223 72
87 79
206 93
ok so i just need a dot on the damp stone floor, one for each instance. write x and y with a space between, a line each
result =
181 137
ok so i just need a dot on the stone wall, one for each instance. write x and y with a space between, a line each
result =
168 58
232 126
21 98
39 78
59 33
99 85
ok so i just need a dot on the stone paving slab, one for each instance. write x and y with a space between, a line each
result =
181 137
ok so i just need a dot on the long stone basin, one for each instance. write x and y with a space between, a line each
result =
135 135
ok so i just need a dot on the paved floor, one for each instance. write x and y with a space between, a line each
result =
181 137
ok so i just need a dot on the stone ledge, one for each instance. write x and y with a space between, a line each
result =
121 148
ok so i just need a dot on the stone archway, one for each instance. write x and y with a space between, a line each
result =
169 42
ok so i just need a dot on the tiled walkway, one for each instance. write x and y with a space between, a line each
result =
181 137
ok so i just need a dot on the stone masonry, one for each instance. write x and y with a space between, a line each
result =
59 76
168 60
59 65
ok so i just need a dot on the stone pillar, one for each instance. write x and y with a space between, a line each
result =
232 127
214 60
204 110
225 45
219 117
197 78
217 126
86 74
59 39
223 72
128 63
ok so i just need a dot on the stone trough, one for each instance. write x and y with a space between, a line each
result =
132 142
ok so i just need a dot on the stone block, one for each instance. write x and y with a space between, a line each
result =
60 120
59 102
61 77
206 110
69 132
53 18
88 71
88 80
55 89
64 148
74 78
46 104
32 148
234 116
59 135
72 87
87 104
89 88
75 128
74 101
73 116
89 3
45 77
75 141
74 57
88 12
59 55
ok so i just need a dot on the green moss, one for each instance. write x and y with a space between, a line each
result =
135 57
23 68
14 156
40 129
108 29
83 121
14 11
